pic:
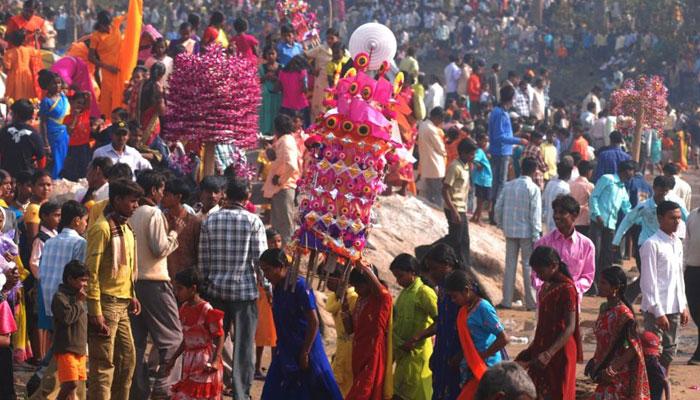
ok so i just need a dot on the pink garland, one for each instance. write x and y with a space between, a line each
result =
647 93
213 98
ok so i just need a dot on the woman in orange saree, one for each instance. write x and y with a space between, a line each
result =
481 334
551 357
105 43
32 26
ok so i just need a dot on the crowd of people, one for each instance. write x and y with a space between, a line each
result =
149 252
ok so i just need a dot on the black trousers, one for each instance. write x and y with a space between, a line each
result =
692 282
458 237
7 383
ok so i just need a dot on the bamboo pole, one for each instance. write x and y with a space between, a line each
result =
637 143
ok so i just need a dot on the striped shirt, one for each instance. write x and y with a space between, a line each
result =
58 251
519 209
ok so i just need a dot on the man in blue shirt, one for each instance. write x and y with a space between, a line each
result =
502 141
609 158
608 199
287 48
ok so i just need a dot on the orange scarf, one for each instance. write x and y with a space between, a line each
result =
474 361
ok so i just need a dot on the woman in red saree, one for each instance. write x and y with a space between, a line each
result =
551 357
147 103
618 363
370 326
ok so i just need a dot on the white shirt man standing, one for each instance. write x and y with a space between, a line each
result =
664 303
431 151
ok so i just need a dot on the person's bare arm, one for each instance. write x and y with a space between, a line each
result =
218 349
93 58
545 357
500 343
311 331
377 286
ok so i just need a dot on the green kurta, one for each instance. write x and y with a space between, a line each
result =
414 311
270 104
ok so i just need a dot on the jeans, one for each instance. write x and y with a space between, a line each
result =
458 237
432 190
692 282
244 317
513 247
602 238
669 338
159 319
112 358
499 166
282 213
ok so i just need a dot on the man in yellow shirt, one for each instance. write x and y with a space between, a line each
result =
111 261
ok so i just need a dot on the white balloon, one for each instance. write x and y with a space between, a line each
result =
376 40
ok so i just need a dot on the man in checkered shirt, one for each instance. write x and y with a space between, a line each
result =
230 245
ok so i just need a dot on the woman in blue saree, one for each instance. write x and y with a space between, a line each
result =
52 110
300 369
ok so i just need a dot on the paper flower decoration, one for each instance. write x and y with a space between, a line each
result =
213 98
339 188
646 95
296 12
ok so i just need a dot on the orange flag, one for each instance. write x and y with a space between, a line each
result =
129 49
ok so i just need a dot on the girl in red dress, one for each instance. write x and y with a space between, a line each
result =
551 357
369 324
203 340
618 363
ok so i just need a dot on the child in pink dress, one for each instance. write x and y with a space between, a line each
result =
203 341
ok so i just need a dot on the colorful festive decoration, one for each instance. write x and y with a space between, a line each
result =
644 102
339 189
647 94
213 98
296 12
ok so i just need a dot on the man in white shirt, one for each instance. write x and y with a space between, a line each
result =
431 153
598 132
593 97
682 188
98 187
119 152
452 71
435 96
555 187
664 303
692 273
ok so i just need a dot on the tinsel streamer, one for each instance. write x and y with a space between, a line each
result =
213 98
647 93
